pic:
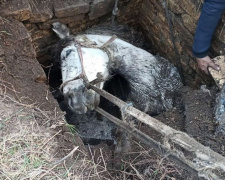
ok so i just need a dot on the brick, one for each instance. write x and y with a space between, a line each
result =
40 34
100 8
182 31
68 8
67 20
174 7
220 32
189 7
19 10
158 4
42 10
16 35
217 47
189 23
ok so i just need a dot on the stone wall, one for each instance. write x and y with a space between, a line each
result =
170 26
78 15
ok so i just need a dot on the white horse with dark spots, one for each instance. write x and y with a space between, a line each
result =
153 80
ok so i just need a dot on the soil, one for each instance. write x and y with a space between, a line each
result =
194 114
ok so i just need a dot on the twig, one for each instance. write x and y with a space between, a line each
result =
137 172
47 172
93 159
103 159
89 148
51 138
50 68
109 42
68 155
25 105
46 67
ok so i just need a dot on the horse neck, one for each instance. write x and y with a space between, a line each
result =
114 52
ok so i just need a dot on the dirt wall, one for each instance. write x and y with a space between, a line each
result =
170 26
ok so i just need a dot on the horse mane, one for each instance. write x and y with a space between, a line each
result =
58 47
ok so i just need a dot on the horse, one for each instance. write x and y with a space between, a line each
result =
153 80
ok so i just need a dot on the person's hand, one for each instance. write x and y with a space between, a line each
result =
204 63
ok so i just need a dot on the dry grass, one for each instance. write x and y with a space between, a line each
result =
29 150
144 163
23 149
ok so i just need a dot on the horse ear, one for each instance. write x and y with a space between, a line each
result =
60 29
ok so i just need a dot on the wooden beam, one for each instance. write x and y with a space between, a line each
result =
203 160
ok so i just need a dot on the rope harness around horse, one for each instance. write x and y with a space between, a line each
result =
83 75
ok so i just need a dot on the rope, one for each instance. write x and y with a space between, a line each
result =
84 77
110 41
172 37
63 84
80 76
83 74
124 107
115 11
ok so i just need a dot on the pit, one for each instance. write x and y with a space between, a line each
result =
164 28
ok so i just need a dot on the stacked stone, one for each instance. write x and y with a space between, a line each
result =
170 26
79 15
171 40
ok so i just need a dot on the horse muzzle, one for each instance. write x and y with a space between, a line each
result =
74 101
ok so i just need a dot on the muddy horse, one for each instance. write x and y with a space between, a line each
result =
153 80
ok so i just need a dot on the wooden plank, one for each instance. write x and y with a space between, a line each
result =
205 161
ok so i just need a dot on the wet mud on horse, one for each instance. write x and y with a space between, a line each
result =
153 81
132 74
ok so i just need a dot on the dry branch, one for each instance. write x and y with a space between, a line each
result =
195 156
68 155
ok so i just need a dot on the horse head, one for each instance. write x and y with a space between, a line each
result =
78 98
77 62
